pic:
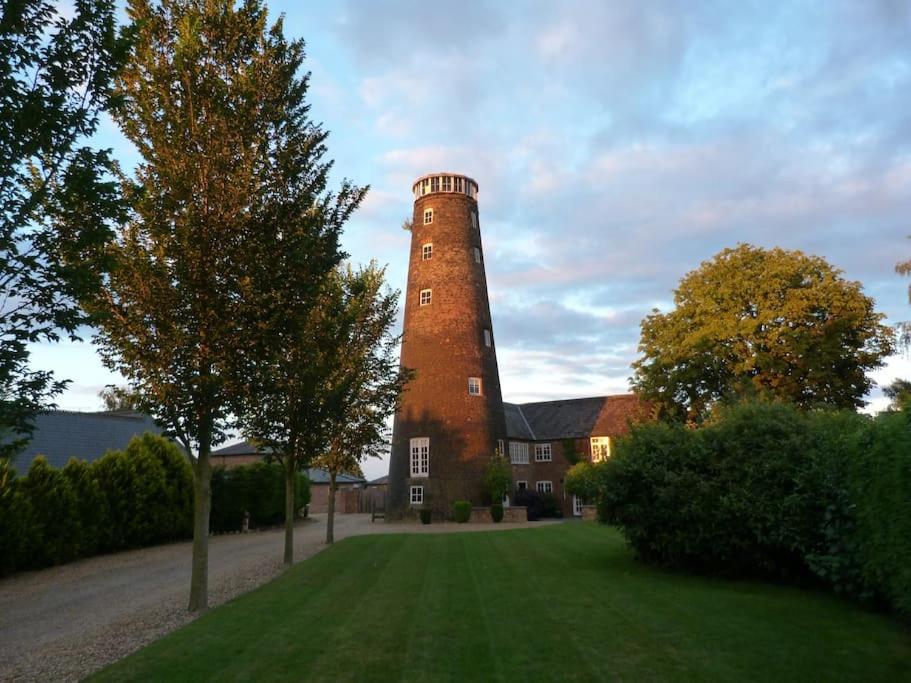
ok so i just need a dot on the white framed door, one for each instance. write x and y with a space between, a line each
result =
577 506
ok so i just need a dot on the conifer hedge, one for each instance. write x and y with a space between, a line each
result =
133 498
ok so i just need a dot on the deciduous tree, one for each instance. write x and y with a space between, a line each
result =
55 199
213 101
772 322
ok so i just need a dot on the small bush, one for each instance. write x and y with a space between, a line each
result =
426 516
496 512
461 511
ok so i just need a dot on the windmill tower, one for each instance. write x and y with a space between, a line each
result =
451 417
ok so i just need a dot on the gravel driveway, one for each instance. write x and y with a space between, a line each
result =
60 624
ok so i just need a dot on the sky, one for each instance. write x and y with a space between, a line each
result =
617 145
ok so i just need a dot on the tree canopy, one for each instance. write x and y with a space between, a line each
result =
767 321
55 197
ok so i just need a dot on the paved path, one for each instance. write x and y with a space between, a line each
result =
65 622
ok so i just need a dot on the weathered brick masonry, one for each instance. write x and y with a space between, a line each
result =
444 343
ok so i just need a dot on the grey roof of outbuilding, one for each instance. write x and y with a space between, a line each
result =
379 481
61 434
316 475
570 418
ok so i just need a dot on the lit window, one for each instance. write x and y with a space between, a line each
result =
488 340
458 185
427 252
600 448
474 386
435 184
426 295
542 452
477 254
428 216
420 456
417 495
518 453
474 220
521 485
545 486
501 447
447 183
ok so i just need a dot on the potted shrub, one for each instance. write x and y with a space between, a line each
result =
496 512
461 511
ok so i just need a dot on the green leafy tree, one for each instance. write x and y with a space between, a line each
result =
497 478
904 328
899 393
120 398
212 101
770 322
55 201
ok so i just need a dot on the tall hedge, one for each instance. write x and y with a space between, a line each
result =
766 489
259 489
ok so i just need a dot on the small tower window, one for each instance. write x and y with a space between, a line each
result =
425 186
477 254
435 184
417 495
474 220
474 386
428 216
458 185
426 296
420 456
447 183
427 252
488 340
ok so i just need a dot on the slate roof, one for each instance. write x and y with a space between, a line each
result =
62 434
379 481
572 418
316 475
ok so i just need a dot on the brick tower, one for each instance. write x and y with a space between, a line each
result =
451 417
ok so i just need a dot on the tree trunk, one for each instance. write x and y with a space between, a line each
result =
202 503
289 510
330 519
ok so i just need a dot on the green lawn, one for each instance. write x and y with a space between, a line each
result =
562 602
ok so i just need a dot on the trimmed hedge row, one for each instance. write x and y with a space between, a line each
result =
127 499
768 490
258 488
133 498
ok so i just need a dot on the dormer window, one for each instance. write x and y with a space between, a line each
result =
427 252
426 295
474 386
428 216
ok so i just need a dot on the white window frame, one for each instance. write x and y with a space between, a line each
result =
543 452
600 446
416 499
435 183
488 338
477 254
447 183
458 184
429 293
419 447
475 387
427 251
474 220
519 485
428 216
543 486
518 452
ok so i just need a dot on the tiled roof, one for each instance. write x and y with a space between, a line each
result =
62 434
573 418
316 475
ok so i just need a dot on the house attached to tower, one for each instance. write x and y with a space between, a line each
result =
452 418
